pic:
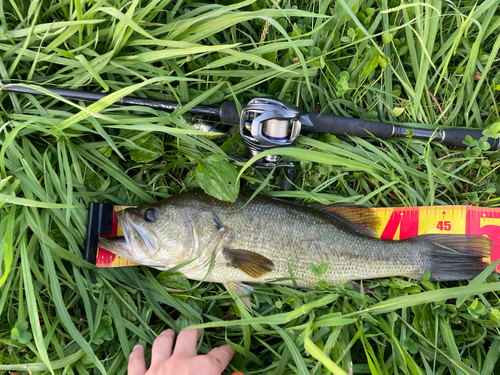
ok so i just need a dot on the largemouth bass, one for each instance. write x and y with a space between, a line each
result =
274 241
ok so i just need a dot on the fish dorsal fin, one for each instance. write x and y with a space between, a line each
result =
249 262
361 219
242 291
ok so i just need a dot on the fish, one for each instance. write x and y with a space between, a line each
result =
273 241
202 126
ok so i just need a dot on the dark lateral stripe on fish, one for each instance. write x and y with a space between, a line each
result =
456 256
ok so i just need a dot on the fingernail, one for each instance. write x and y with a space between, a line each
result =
137 347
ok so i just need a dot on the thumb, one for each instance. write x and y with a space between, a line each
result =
222 356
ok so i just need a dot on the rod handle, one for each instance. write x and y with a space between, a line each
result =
229 113
339 125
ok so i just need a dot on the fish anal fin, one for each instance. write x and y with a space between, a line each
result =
242 291
251 263
362 219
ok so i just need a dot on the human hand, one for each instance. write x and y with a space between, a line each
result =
184 360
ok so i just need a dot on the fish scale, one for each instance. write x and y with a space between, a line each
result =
258 242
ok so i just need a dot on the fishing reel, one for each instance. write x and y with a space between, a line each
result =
268 123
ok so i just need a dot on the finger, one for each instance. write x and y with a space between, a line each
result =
136 361
222 356
162 347
187 343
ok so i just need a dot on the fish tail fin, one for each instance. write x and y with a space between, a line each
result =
456 256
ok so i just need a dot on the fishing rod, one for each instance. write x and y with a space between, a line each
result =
269 123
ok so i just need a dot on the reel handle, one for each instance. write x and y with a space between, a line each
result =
286 184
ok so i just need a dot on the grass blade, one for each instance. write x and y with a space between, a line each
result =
32 307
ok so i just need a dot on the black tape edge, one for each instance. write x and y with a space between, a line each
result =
100 221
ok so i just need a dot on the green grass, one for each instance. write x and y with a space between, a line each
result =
434 64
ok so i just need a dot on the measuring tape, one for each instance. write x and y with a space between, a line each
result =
397 224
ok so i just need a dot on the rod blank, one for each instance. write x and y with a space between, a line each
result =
126 100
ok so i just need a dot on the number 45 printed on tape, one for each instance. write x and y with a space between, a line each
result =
444 225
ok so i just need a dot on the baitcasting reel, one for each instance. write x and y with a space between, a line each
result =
268 123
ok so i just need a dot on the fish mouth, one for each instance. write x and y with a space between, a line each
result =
136 244
117 245
140 241
120 215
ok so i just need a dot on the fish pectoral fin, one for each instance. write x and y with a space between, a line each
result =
249 262
363 220
242 291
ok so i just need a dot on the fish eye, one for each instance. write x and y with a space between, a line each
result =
150 215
